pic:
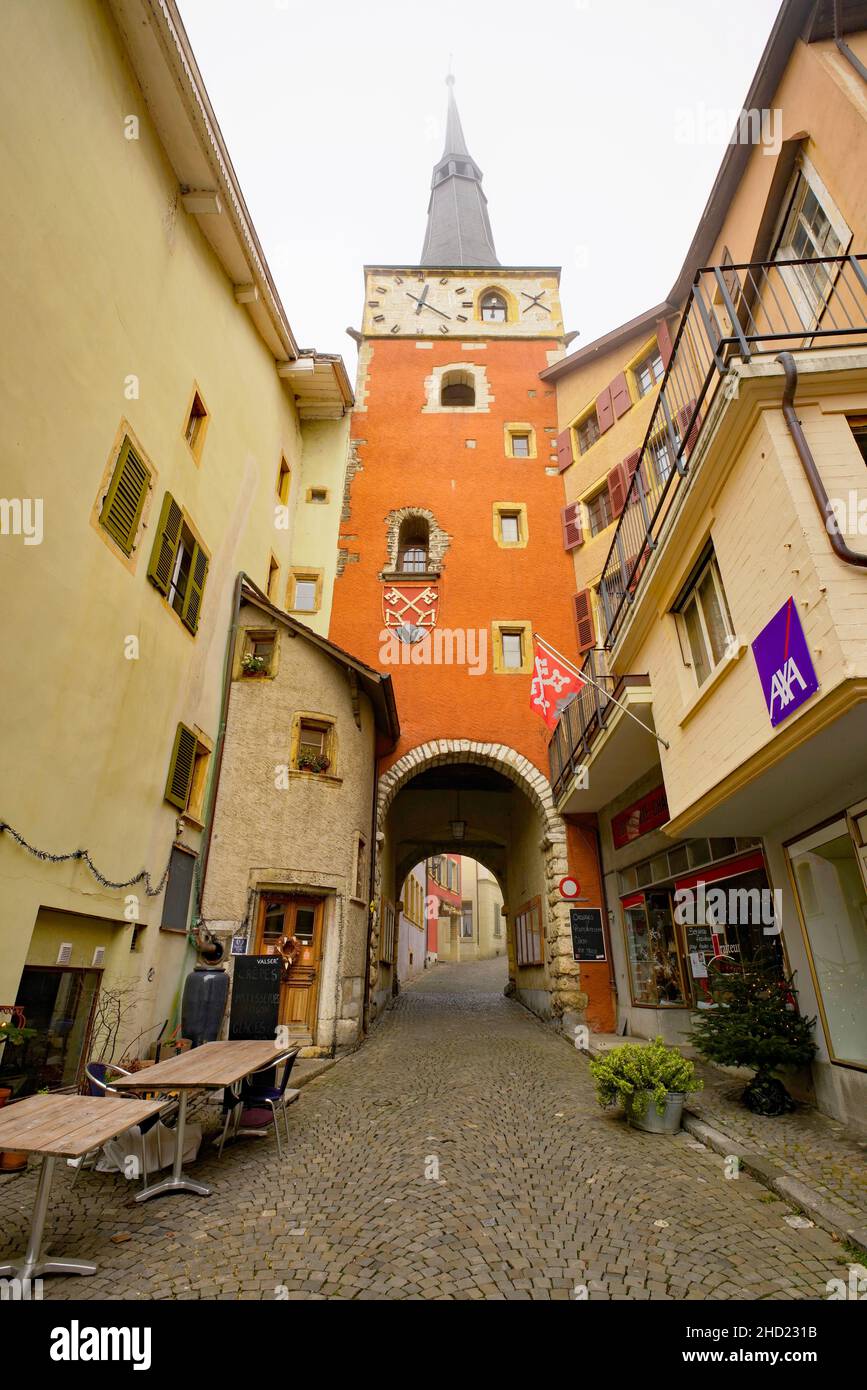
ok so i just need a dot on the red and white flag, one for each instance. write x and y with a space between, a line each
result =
555 681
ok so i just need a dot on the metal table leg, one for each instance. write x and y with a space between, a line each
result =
32 1267
177 1183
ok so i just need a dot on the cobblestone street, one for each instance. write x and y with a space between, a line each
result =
539 1192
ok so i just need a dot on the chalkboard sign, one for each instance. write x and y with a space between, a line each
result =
588 939
255 997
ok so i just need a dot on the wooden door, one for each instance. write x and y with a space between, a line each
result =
283 916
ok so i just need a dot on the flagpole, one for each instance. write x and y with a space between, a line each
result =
587 681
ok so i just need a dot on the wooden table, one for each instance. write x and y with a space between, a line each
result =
211 1067
62 1126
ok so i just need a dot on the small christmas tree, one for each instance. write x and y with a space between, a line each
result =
756 1024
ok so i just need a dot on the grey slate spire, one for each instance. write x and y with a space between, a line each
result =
458 229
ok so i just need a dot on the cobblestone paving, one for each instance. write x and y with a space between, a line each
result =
538 1192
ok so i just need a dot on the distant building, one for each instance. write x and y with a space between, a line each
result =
412 946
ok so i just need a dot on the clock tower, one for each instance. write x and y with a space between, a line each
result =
451 556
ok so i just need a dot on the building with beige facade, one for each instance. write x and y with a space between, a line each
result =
713 454
163 431
289 858
478 931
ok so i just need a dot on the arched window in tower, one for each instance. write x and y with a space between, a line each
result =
413 546
493 307
458 388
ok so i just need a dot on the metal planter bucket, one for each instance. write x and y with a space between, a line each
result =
650 1119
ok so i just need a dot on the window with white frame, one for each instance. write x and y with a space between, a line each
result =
599 511
648 372
705 625
811 227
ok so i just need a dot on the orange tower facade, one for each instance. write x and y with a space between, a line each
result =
452 550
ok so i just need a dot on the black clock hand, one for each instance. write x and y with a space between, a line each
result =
421 304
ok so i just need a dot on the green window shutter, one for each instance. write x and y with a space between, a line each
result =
180 779
123 503
162 559
195 589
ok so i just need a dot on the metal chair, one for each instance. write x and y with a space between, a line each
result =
247 1095
99 1085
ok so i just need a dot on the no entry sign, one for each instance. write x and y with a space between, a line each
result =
569 887
784 665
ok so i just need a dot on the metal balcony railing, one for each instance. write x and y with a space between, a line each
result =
584 718
733 311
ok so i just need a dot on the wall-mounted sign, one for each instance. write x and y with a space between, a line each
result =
239 945
588 937
784 665
569 887
644 815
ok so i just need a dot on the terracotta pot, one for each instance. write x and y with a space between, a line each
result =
10 1161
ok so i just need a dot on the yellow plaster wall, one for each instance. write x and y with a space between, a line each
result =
104 277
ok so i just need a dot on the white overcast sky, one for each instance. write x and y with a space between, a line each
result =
596 123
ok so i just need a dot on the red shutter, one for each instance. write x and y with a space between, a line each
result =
584 620
573 532
616 489
564 450
605 410
683 418
663 338
629 467
620 397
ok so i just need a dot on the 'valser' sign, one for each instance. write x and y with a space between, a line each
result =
783 663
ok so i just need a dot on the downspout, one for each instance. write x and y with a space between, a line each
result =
826 511
213 783
606 920
371 888
843 47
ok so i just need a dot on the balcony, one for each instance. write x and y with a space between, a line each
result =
734 312
597 749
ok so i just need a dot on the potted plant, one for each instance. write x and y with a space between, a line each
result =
650 1080
253 665
11 1160
313 762
756 1024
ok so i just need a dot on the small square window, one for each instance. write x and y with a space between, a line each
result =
317 494
197 419
648 372
587 432
599 512
259 648
520 446
513 650
510 527
305 595
314 748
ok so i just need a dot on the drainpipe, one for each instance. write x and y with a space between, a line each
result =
371 887
844 47
221 743
817 487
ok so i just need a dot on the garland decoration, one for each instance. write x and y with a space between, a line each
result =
81 854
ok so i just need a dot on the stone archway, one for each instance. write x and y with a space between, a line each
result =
563 971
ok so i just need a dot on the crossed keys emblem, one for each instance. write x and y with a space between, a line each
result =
410 611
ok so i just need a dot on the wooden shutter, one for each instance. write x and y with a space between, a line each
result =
604 410
195 588
584 620
123 503
616 489
683 418
162 560
180 779
663 339
628 468
565 457
573 531
621 400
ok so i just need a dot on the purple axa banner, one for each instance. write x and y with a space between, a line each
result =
784 665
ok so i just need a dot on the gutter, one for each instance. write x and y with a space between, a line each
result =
843 47
808 463
217 763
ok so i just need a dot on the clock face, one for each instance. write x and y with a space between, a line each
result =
421 304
